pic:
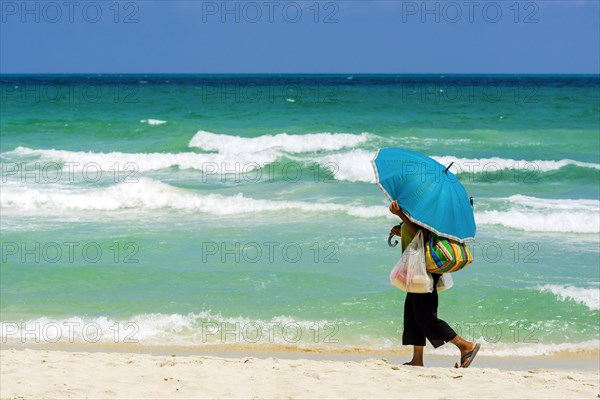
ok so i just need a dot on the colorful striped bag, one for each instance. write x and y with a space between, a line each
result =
443 255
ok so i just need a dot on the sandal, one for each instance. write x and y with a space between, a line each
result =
470 355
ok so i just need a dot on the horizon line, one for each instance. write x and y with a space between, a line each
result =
305 73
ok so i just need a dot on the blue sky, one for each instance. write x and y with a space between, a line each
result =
301 36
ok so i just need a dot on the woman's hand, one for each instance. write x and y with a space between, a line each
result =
396 231
395 208
412 228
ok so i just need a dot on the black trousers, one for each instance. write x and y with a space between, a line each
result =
421 321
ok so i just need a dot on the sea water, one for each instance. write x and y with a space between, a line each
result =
191 210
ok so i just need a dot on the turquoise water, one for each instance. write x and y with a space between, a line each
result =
242 209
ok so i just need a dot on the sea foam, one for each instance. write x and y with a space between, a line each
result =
355 166
79 160
516 212
167 329
590 297
542 215
337 152
206 328
149 194
152 121
284 142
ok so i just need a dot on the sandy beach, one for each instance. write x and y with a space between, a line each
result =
30 374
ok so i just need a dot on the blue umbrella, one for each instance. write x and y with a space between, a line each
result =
430 194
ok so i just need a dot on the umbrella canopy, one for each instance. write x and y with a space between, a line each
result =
430 194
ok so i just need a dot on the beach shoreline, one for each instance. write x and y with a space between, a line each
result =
561 360
219 373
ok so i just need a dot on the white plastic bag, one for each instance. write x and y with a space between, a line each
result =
410 273
444 283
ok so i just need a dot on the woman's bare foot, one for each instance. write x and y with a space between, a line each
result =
465 348
417 358
469 349
466 357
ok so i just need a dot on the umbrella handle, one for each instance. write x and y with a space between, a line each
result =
392 235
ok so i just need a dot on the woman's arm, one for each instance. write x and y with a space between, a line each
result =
412 228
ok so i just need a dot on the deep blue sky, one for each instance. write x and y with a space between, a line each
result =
361 37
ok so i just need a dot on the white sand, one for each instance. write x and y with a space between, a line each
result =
65 374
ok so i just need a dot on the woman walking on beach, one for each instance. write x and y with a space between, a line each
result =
420 309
